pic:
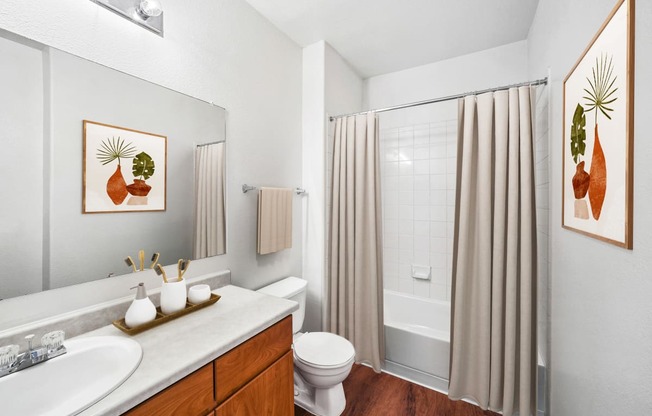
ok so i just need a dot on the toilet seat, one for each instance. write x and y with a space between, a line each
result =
323 350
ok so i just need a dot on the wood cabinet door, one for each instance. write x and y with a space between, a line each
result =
190 396
271 393
239 366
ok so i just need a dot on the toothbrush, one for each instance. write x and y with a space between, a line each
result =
130 262
184 268
141 258
180 270
159 271
155 257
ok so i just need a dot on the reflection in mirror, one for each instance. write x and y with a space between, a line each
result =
210 224
46 241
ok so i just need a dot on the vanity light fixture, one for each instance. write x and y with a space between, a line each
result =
145 13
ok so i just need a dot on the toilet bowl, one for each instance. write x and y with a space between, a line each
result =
322 360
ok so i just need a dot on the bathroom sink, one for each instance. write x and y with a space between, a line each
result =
92 368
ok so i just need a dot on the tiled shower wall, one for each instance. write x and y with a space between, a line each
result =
418 164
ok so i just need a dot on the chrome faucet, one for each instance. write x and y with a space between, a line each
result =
51 347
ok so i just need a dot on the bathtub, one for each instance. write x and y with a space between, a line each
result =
417 339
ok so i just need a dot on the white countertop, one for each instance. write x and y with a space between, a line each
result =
175 349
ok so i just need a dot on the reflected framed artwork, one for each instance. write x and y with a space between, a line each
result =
124 170
597 188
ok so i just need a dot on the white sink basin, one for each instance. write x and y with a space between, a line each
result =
92 368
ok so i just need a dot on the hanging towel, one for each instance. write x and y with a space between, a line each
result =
274 220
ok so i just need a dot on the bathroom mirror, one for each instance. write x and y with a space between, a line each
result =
46 241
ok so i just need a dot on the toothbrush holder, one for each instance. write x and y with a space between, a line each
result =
173 296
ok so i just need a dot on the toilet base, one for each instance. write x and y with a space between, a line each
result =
321 402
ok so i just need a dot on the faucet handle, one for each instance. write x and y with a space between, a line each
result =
53 340
8 355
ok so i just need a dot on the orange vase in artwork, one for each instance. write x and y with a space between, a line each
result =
116 187
598 178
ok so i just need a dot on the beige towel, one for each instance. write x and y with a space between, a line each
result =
274 220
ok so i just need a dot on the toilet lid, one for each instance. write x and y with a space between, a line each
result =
323 349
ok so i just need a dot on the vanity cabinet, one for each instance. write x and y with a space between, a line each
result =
254 378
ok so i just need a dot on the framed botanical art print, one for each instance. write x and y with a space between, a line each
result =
598 133
124 169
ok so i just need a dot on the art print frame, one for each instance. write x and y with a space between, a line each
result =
124 170
598 129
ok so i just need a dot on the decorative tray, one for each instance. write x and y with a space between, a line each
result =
162 318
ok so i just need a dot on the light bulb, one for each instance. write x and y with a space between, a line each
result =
149 8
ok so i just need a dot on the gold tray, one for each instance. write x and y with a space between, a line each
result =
162 318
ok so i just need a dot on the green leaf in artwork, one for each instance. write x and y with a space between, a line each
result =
112 149
578 133
143 166
602 90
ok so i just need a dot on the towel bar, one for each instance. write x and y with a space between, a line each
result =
246 188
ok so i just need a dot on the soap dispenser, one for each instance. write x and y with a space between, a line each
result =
142 310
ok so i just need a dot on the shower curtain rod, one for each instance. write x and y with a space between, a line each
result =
210 143
441 99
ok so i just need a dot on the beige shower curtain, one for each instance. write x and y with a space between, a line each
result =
493 336
355 281
210 221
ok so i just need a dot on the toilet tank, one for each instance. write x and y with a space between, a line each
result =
292 288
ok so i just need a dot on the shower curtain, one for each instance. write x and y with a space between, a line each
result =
355 281
493 336
210 222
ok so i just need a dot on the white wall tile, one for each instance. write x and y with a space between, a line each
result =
391 168
390 240
438 292
438 166
421 182
406 227
405 197
422 288
405 212
438 197
406 153
437 229
421 212
406 242
438 150
437 181
421 167
422 228
406 285
421 197
438 213
406 182
438 245
421 152
421 256
406 256
405 167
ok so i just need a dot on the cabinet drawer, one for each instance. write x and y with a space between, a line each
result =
271 393
191 396
244 362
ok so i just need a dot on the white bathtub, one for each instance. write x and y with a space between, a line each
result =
417 338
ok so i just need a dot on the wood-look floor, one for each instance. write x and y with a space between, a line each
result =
371 394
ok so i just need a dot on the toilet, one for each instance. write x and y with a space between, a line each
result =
321 360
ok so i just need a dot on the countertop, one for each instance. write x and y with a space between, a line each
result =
177 348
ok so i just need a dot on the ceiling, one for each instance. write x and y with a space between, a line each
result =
381 36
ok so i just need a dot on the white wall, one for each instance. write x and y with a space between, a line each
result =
601 314
330 87
219 51
490 68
